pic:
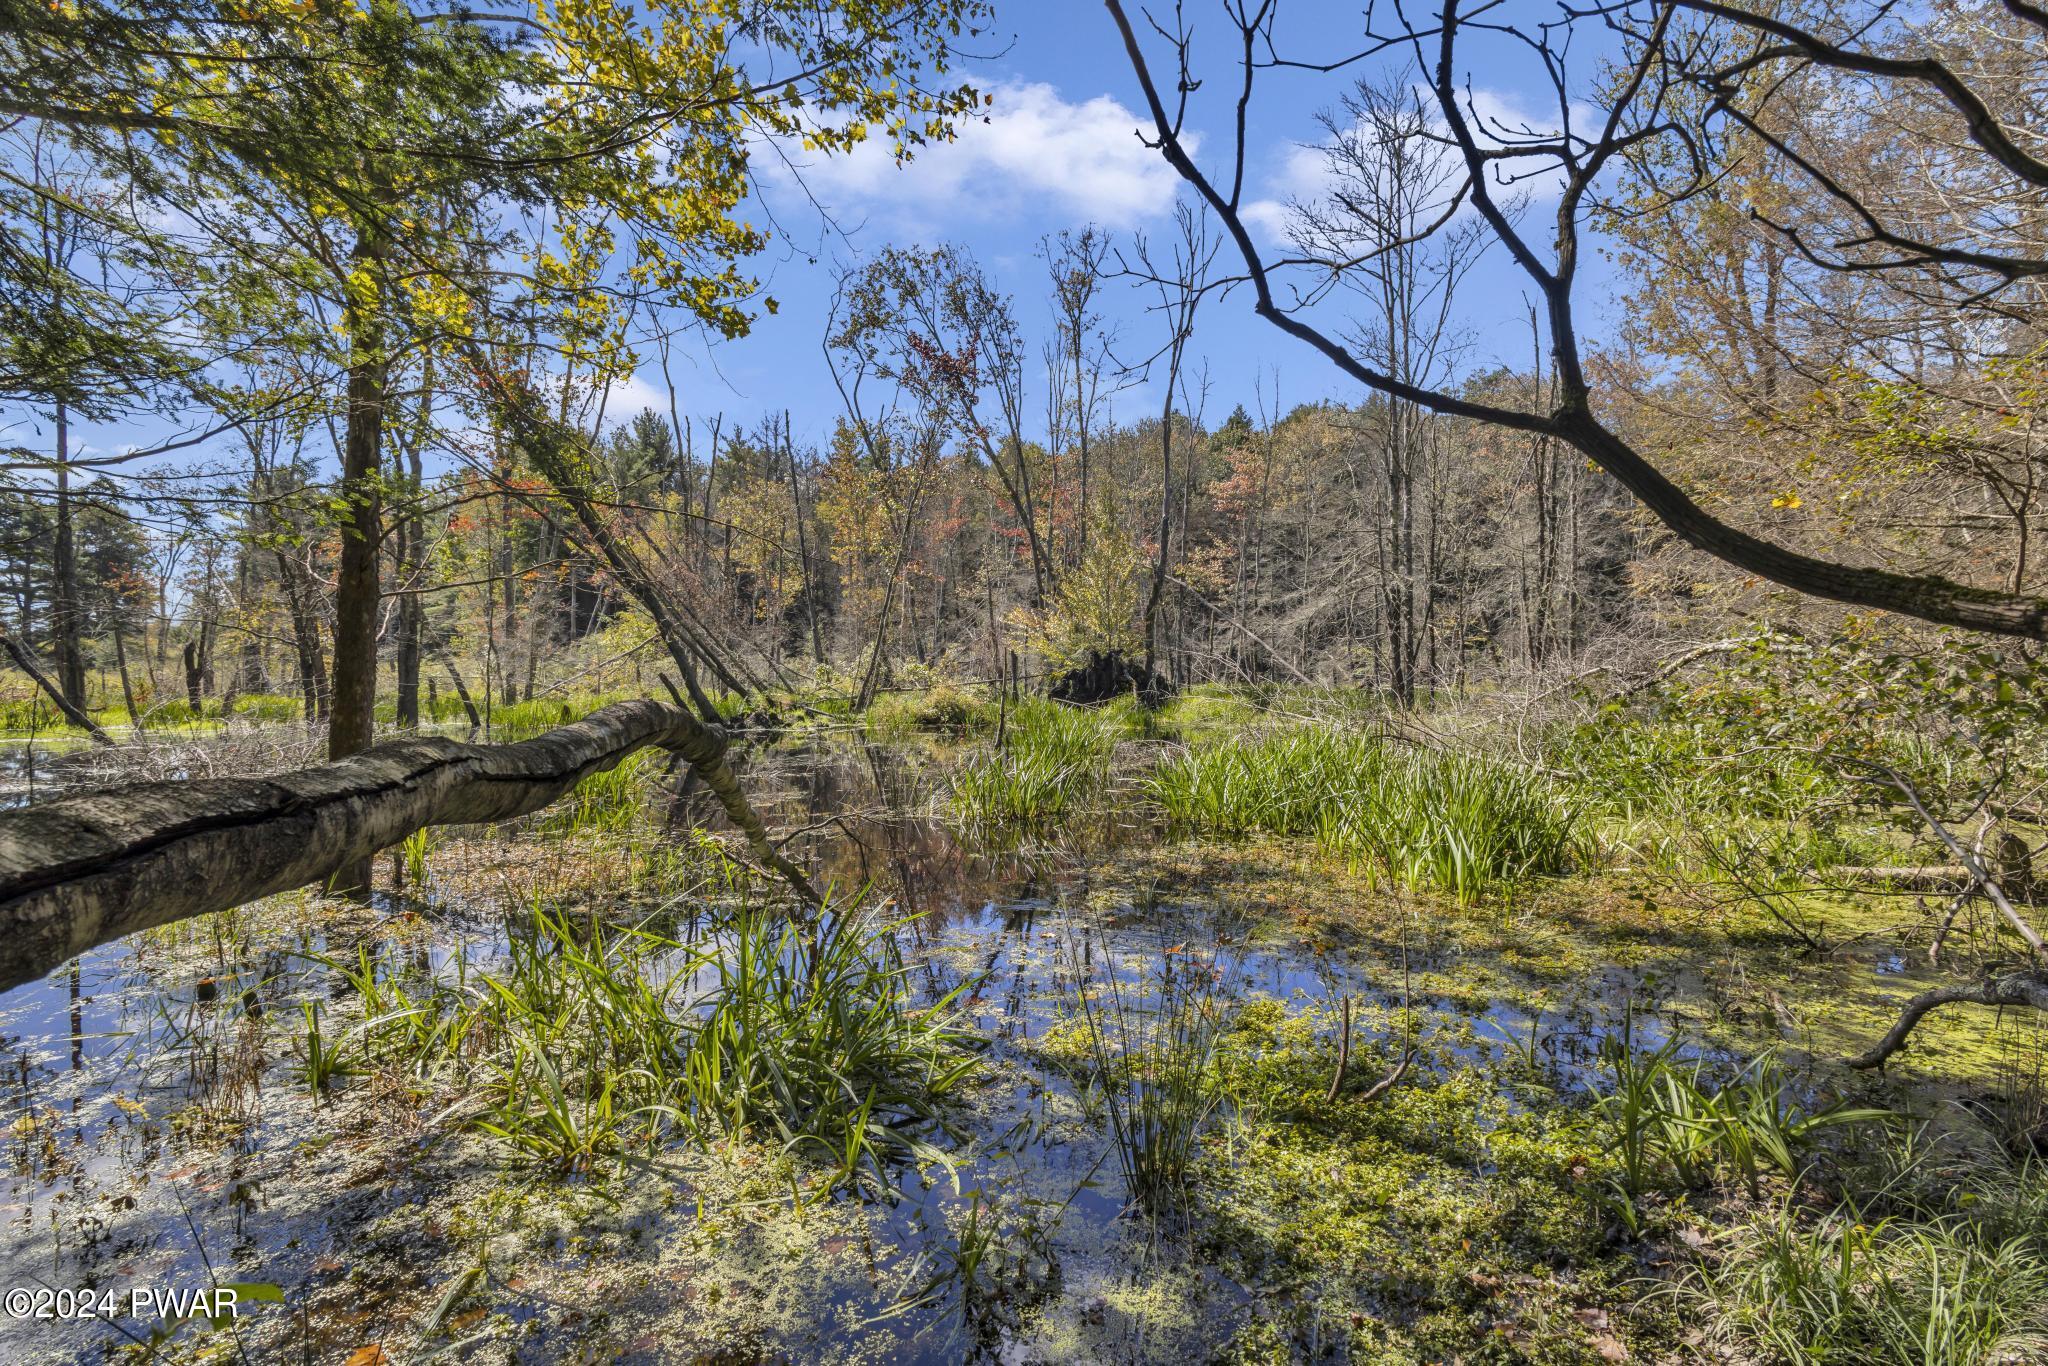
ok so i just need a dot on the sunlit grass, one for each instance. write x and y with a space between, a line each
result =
1052 763
1949 1291
592 1044
1455 823
1152 1048
613 801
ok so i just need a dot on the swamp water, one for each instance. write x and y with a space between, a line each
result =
160 1131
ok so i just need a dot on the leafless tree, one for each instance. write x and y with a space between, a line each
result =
1647 94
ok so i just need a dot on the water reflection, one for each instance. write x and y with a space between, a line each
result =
157 1133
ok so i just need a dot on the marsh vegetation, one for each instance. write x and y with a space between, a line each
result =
545 816
1167 1067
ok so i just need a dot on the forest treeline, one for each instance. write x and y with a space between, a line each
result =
359 294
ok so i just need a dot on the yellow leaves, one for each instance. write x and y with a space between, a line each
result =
1787 499
363 290
436 300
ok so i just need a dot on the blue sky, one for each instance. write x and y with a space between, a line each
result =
1057 150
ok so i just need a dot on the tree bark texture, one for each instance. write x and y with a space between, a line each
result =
80 872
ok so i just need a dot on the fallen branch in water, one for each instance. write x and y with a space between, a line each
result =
1922 877
80 872
2024 989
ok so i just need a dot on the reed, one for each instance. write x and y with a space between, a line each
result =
1461 824
594 1043
808 1031
614 801
1053 763
1153 1046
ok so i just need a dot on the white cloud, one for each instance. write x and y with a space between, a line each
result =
1497 119
1031 145
626 397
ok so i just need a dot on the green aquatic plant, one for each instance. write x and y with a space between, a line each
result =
592 1041
582 1036
1888 1293
1153 1046
413 851
1456 823
1671 1127
612 801
321 1059
1287 783
1052 763
808 1029
998 1263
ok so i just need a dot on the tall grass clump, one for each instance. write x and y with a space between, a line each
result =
609 802
1655 786
808 1031
1672 1127
1454 823
1887 1293
1936 1252
942 707
1052 762
592 1044
582 1041
1281 784
1153 1048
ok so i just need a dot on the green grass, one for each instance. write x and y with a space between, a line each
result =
595 1044
270 707
808 1033
1153 1050
34 716
1455 823
1909 1266
1936 1251
613 801
37 715
1052 764
1887 1293
1671 1127
1653 788
510 719
943 708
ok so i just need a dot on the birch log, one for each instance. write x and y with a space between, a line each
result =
79 872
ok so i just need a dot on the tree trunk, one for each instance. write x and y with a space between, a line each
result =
77 873
803 544
64 612
476 719
1160 560
352 721
305 640
127 687
194 698
411 550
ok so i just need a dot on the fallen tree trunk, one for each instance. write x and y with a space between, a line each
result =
79 872
1924 877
